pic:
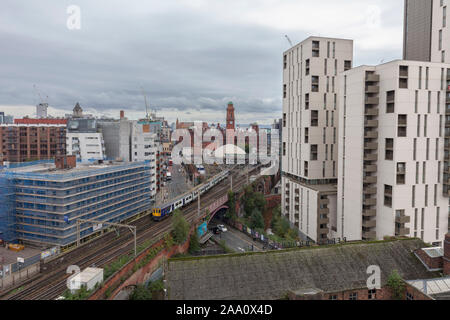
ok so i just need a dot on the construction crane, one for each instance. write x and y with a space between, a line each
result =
289 40
41 101
146 104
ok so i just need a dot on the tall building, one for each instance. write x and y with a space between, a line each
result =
231 125
25 142
48 199
426 31
392 152
84 141
5 119
41 110
309 144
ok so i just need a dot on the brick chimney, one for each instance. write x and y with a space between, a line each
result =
447 255
122 114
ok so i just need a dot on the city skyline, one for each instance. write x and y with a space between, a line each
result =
236 58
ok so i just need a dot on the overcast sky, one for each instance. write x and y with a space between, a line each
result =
190 56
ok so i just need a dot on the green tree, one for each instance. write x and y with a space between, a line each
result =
194 244
281 227
180 227
397 285
253 200
231 213
141 292
256 220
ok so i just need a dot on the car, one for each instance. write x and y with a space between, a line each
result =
215 230
221 227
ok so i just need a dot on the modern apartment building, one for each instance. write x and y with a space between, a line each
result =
426 31
23 142
84 141
310 131
392 172
48 200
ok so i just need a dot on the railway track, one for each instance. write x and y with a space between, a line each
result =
53 284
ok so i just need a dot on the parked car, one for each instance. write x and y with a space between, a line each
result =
222 228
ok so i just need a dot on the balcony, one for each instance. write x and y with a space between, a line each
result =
371 123
324 201
369 234
372 77
371 112
323 230
369 223
371 145
372 100
324 211
371 157
370 168
370 179
370 191
369 213
403 232
372 89
371 134
324 221
370 202
403 219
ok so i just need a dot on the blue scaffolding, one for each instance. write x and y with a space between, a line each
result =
7 209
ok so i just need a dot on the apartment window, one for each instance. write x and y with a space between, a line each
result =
444 17
325 66
428 149
440 39
390 102
314 118
443 56
413 198
420 77
353 296
402 124
403 80
306 135
372 294
326 118
335 67
284 62
427 73
429 102
284 91
284 120
305 168
313 152
415 221
389 149
284 148
437 215
315 83
307 67
334 135
401 172
328 84
438 105
323 169
328 49
417 173
416 102
315 49
426 196
422 221
435 195
347 65
306 101
388 196
324 135
418 125
424 171
334 50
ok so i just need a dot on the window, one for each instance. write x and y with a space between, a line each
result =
402 124
315 48
284 119
390 102
347 65
401 172
307 67
440 39
284 91
388 196
372 294
284 62
284 148
403 80
314 118
306 101
389 149
409 296
306 135
353 296
315 83
313 149
332 297
444 17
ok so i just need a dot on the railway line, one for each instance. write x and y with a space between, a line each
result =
108 248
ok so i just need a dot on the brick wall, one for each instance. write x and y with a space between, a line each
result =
432 263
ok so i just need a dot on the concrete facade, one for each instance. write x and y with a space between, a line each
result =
391 177
309 133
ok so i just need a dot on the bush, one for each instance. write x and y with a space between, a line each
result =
194 244
256 220
180 227
141 293
397 285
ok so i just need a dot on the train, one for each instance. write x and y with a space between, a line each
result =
163 212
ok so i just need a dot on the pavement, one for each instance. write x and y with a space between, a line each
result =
236 240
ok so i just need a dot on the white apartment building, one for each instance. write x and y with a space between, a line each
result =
86 146
392 172
309 134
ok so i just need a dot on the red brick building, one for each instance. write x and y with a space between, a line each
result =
19 142
48 121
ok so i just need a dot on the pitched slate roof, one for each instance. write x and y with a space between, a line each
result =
270 275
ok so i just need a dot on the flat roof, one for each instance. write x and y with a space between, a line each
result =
8 256
434 286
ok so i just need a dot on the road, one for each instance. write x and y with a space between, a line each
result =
178 185
236 240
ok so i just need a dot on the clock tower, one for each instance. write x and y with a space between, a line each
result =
230 116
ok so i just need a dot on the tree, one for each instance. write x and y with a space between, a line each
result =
231 213
194 244
281 227
180 227
397 285
253 200
141 292
256 220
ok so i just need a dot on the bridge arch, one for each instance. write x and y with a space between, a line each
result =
212 214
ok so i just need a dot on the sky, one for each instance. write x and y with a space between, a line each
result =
189 57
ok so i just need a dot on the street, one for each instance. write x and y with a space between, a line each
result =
236 240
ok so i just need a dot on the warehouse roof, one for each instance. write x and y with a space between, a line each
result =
269 275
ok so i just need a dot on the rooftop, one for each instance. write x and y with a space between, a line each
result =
438 288
269 275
